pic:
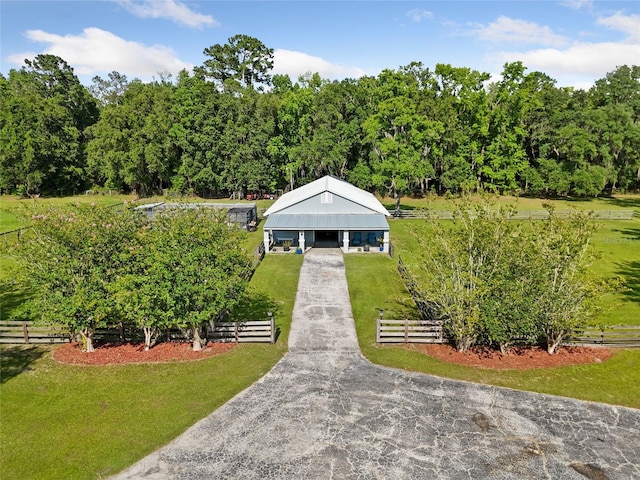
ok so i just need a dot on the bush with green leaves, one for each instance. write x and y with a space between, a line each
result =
188 269
69 258
93 266
497 281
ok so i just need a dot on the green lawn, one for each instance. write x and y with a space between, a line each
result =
9 222
373 283
59 421
617 244
616 202
74 422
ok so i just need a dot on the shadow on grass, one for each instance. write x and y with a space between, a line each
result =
631 273
392 206
625 202
15 360
629 235
254 306
11 299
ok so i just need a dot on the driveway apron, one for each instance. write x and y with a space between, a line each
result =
325 412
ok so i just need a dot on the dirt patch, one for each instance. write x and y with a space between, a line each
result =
518 358
121 353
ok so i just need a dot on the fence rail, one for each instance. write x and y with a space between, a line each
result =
520 215
258 331
409 331
28 333
255 331
613 336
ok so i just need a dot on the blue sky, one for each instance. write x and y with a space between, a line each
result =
574 41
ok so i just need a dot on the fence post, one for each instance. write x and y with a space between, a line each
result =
378 327
273 330
25 332
406 331
235 331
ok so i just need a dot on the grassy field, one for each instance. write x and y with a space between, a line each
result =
73 422
9 203
615 202
616 243
373 283
59 421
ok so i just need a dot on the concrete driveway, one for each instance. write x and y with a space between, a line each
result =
324 412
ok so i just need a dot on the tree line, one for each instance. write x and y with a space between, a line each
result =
230 128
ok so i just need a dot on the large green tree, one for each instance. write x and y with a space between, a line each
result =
69 258
130 148
243 61
199 265
44 111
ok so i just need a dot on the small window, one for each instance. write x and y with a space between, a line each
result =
326 197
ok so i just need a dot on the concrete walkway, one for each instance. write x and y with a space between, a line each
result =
324 412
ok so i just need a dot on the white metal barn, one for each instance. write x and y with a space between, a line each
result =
328 212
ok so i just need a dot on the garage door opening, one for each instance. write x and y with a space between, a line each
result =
326 239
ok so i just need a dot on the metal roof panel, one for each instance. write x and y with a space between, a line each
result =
283 221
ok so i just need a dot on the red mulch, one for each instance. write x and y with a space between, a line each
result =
518 358
120 353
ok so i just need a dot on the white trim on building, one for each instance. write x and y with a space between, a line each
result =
328 211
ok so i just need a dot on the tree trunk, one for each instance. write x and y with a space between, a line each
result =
396 197
464 342
553 342
149 333
87 340
197 341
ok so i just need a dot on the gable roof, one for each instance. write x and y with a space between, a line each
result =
328 184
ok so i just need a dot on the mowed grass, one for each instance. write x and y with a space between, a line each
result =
373 282
617 247
71 422
616 202
8 204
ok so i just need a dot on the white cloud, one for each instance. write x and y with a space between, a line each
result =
588 58
577 4
294 64
510 30
581 63
171 9
419 14
96 51
629 24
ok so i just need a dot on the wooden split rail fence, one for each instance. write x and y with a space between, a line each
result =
427 331
520 215
257 331
614 336
409 331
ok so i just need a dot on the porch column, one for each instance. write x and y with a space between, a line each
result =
385 241
266 240
301 240
345 241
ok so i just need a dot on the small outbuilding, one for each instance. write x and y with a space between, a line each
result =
327 212
245 215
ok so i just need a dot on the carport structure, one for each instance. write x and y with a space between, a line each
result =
328 212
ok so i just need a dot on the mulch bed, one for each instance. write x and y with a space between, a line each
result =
121 353
518 358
